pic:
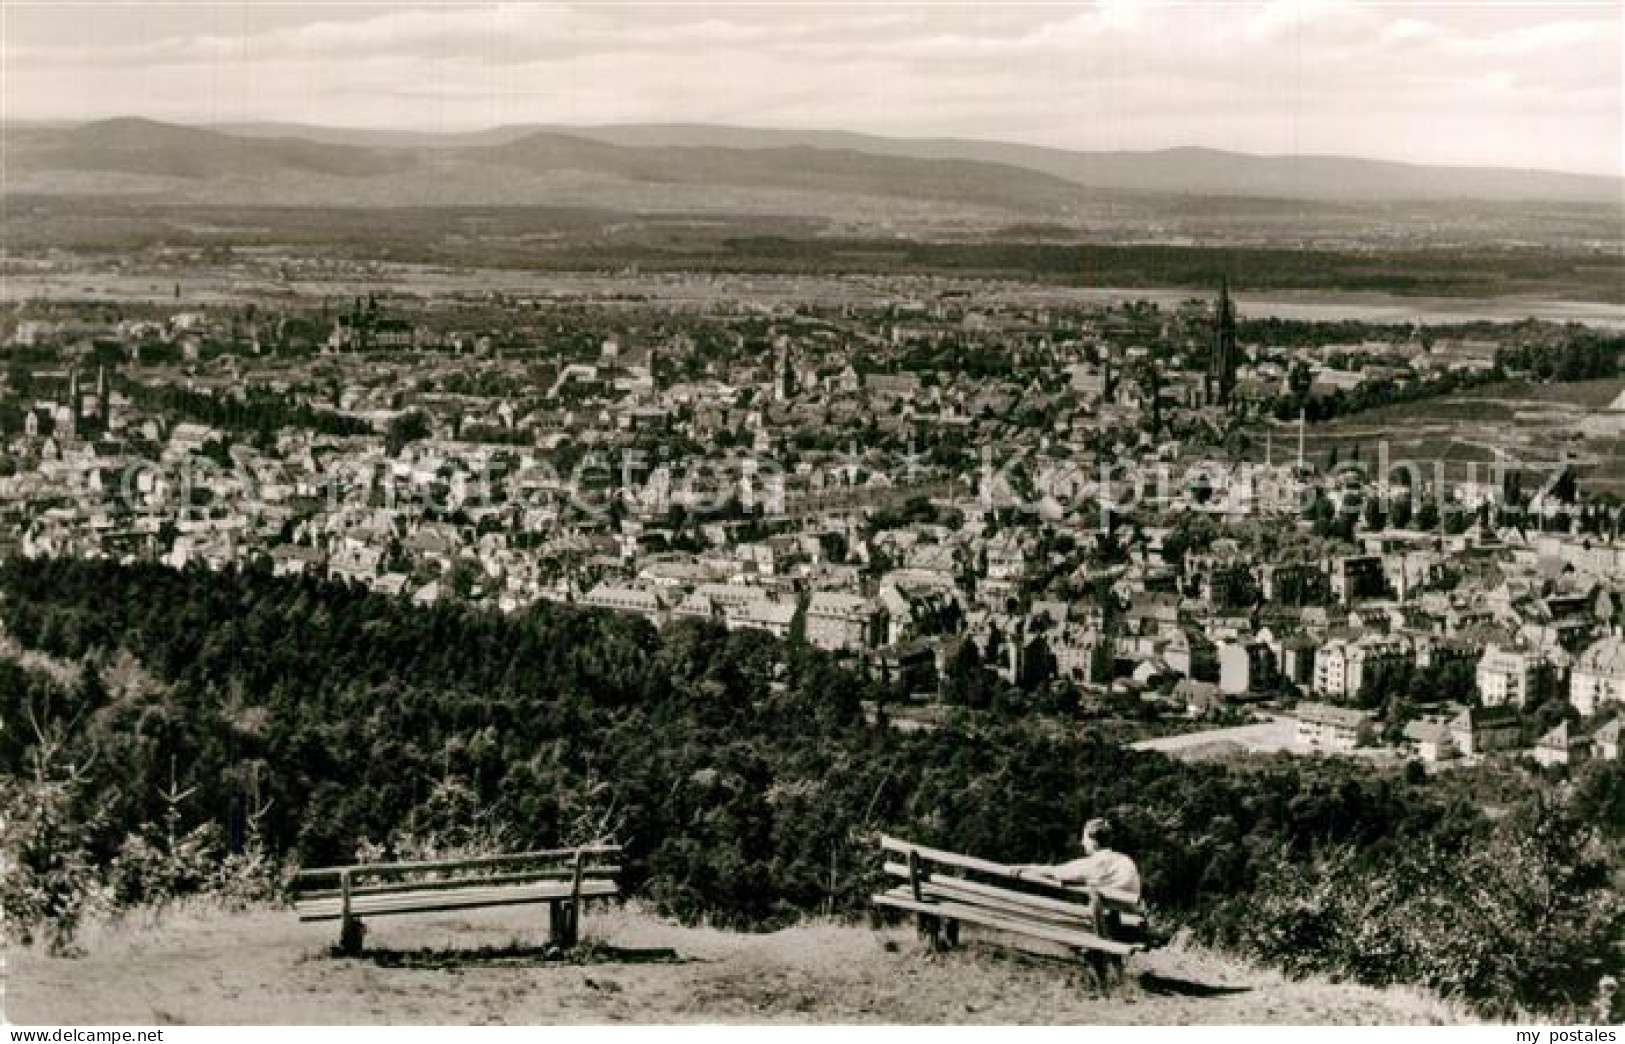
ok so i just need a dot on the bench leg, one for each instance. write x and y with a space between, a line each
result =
351 933
1116 975
561 924
1106 969
929 927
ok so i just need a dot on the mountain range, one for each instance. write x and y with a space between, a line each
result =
700 167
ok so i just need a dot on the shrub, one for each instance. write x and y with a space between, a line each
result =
1525 917
50 880
148 873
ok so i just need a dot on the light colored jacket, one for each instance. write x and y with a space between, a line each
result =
1103 869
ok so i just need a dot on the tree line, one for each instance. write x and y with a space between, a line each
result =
258 414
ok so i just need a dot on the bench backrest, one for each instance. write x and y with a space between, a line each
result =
577 865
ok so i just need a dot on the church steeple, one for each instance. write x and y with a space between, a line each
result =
1221 369
783 374
103 405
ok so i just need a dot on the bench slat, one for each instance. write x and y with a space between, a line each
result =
982 916
975 891
369 869
456 899
955 889
448 884
944 888
544 889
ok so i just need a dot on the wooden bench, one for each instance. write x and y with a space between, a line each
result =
945 891
563 878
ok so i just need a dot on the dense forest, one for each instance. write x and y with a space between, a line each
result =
224 727
1583 354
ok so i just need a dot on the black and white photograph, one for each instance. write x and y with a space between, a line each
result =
850 513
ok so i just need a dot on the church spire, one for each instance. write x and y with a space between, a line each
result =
1221 371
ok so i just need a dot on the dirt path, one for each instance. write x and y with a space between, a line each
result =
263 967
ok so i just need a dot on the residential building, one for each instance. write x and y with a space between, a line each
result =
1605 741
844 622
1562 746
763 614
1485 730
1331 669
1354 577
1293 583
1075 649
1598 676
1199 697
1510 676
1245 666
1343 668
626 598
1433 741
1298 655
1323 727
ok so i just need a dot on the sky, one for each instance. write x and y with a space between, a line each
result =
1473 83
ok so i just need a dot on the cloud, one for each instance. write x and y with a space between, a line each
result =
1436 82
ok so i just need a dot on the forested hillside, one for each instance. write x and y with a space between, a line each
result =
290 721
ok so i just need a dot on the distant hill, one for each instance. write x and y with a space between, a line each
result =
196 165
1182 171
667 167
144 148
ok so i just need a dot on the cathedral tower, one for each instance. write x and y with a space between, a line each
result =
1221 367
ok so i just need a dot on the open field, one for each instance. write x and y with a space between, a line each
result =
266 279
1529 423
571 238
263 966
1278 734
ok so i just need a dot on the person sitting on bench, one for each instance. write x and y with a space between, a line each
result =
1100 866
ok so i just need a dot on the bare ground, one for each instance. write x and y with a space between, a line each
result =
492 967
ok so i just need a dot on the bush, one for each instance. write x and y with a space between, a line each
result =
51 879
1525 917
247 877
148 873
